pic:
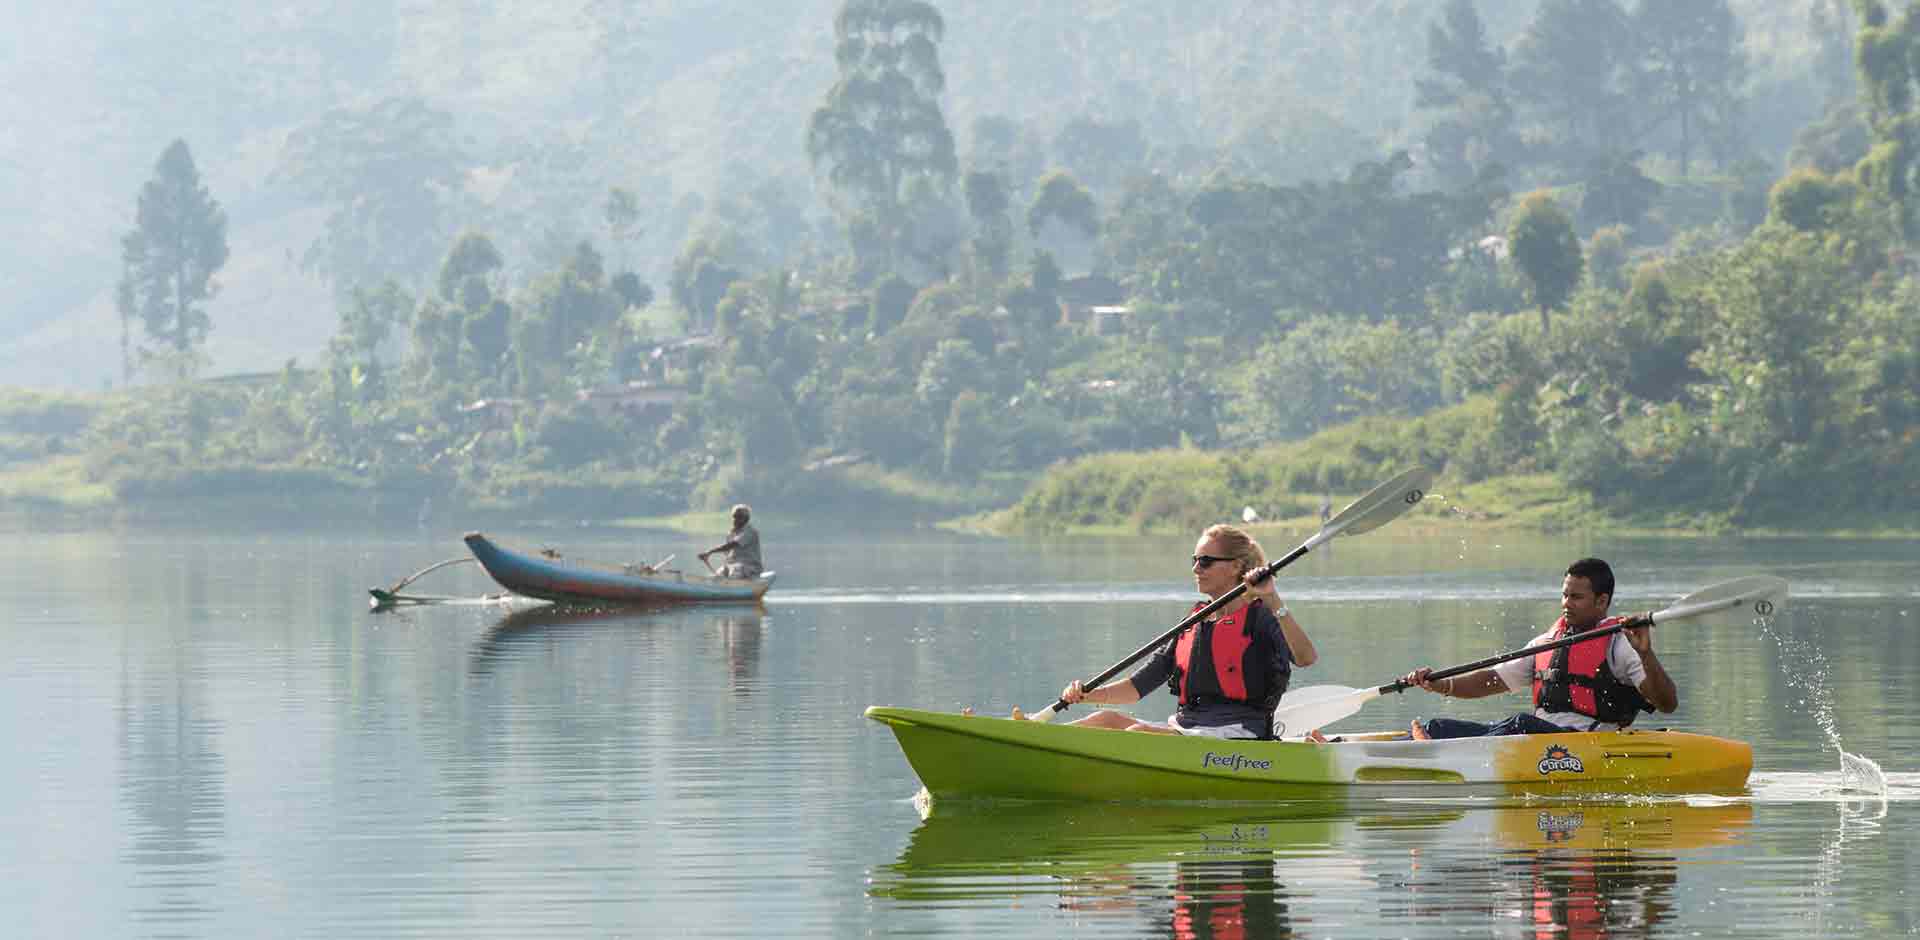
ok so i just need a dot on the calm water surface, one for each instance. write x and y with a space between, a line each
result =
211 736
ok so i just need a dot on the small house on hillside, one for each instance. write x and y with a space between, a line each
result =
1094 303
643 400
677 360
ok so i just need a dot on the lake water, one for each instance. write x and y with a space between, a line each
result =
212 736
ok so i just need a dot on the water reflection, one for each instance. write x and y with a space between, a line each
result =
1586 870
526 631
172 775
740 634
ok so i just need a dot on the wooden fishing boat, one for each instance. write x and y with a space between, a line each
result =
965 756
548 576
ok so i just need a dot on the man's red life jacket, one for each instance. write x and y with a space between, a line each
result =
1576 679
1237 656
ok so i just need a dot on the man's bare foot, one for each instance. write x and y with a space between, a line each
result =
966 712
1316 737
1019 715
1419 732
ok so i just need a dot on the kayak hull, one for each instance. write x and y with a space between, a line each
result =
962 756
547 576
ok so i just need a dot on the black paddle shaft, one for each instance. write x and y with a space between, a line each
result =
1638 620
1193 618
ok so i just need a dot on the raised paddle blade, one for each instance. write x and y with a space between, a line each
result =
1316 706
1762 594
1381 505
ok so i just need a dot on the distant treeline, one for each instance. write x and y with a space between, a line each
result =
1660 322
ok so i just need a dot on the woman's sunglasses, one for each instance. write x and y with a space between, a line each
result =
1204 561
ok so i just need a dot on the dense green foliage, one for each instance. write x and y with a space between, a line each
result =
1727 337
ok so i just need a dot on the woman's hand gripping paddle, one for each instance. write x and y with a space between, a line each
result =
1381 505
1317 706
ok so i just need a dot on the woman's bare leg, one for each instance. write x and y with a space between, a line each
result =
1105 718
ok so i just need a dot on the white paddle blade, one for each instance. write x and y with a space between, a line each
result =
1044 715
1381 505
1762 594
1316 707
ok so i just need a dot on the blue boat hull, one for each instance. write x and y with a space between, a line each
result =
547 576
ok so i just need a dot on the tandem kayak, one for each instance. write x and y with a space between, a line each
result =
547 576
970 756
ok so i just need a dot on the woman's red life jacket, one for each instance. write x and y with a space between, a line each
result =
1237 655
1576 679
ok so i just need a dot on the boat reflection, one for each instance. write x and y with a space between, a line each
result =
1588 869
740 633
527 631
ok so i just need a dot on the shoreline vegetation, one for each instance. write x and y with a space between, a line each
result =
1119 493
1580 313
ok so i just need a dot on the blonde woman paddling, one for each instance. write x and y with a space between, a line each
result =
1227 673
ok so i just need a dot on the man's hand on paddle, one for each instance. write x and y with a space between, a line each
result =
1419 677
1640 638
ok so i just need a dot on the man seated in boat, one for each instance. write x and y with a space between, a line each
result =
742 547
1600 684
1228 672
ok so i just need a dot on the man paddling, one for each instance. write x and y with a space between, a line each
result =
1600 684
742 547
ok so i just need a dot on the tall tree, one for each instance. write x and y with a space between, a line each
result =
168 260
623 222
1690 69
1544 246
880 130
988 202
1473 124
391 171
1569 74
1064 219
1101 153
1889 58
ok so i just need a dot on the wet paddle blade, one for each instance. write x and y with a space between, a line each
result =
1381 505
1316 707
1763 595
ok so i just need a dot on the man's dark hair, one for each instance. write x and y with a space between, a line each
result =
1597 573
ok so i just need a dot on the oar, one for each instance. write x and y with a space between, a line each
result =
1320 705
1381 505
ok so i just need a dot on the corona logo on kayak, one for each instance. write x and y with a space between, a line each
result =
1559 828
1234 762
1559 758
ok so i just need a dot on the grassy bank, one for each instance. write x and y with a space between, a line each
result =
1481 484
67 489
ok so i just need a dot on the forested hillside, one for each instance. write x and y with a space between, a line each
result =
649 256
548 105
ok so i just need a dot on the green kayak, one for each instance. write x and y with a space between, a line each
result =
967 756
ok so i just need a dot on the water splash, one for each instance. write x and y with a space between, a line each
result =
1858 773
1862 775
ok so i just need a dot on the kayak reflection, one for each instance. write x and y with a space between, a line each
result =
1181 871
1580 871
